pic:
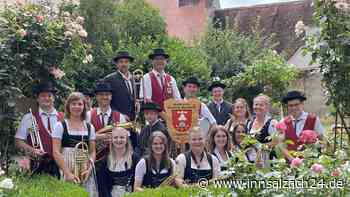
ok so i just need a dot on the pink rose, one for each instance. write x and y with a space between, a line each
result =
308 137
281 127
296 162
336 172
56 72
39 18
24 164
317 168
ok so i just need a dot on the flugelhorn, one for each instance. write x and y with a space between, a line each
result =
81 159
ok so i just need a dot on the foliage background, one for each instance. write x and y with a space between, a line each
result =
238 60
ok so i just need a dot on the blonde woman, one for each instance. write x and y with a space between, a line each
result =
240 114
67 134
197 163
116 173
261 127
262 124
220 145
157 166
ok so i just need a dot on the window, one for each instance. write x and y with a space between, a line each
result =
182 3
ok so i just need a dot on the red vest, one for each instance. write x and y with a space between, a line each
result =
159 95
290 133
45 135
96 120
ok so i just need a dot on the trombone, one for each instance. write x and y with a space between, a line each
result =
137 85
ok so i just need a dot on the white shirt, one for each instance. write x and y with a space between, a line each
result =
204 165
58 131
106 117
146 90
140 170
301 123
220 159
218 104
26 123
205 113
271 128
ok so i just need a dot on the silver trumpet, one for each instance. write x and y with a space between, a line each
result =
34 133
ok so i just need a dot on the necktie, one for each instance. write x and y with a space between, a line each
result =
48 123
161 81
103 119
295 125
128 86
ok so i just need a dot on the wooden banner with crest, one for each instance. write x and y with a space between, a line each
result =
181 116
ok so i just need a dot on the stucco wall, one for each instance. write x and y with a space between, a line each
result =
183 22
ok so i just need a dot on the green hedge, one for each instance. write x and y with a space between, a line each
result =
181 192
44 186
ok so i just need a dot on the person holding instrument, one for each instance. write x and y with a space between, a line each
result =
39 147
74 145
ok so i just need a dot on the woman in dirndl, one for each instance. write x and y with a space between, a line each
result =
116 174
74 145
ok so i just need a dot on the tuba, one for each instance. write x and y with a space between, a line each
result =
34 133
81 159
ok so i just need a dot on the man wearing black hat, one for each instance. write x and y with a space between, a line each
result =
103 115
159 86
122 84
298 120
218 107
151 112
191 87
46 118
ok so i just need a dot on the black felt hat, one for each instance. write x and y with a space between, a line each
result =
123 54
151 106
44 87
158 52
103 87
292 95
216 84
191 80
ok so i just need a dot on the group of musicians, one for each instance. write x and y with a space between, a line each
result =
123 160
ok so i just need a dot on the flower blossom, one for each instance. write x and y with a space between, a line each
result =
308 137
39 18
281 127
80 20
299 28
82 33
56 72
317 168
7 184
336 172
88 59
296 162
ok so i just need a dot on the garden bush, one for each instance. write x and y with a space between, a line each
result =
43 186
